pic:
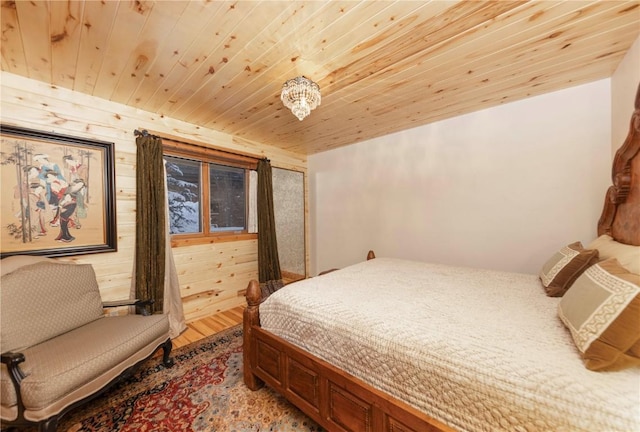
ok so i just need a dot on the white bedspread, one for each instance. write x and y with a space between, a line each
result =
478 350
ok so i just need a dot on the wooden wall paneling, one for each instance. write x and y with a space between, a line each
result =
221 73
97 25
198 67
65 27
63 114
196 18
443 55
217 289
392 23
274 57
126 229
542 43
221 64
512 90
447 59
223 264
438 30
485 67
152 36
113 272
40 106
197 50
200 251
36 38
119 121
511 87
200 276
126 170
12 51
511 30
212 292
198 303
132 17
126 209
266 57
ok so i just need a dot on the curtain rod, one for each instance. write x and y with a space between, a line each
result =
211 146
142 132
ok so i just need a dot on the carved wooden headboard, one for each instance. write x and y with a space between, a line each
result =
621 213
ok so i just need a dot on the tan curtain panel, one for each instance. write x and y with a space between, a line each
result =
172 298
269 273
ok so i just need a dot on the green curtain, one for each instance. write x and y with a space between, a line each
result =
270 276
150 221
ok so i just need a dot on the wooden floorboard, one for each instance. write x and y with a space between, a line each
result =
213 324
208 326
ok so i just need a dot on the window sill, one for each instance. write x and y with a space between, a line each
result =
192 241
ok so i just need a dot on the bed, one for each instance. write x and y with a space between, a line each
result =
396 345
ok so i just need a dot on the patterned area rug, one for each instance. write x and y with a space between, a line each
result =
203 391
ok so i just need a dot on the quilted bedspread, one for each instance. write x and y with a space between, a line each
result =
476 349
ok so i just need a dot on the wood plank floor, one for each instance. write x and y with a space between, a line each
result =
208 326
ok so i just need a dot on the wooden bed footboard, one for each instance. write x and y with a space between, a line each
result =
333 398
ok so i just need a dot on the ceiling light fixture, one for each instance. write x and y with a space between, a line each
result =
300 95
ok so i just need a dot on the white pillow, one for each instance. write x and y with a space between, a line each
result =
627 255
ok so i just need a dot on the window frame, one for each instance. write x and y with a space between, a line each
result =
206 156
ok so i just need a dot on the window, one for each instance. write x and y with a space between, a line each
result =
208 193
183 187
227 191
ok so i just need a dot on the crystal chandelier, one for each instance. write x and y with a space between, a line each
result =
300 95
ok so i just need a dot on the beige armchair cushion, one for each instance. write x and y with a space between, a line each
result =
12 263
75 359
52 313
27 302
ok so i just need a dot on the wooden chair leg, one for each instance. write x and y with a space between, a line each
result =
50 425
166 349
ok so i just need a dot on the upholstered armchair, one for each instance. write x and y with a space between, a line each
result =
59 349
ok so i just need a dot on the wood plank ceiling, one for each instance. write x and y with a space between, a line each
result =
382 66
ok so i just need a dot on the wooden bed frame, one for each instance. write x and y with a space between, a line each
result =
341 402
621 213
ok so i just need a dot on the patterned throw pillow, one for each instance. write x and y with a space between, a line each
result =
602 311
564 267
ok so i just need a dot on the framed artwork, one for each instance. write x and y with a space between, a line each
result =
57 194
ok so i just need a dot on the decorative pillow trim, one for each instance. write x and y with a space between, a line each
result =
602 312
621 294
568 255
564 267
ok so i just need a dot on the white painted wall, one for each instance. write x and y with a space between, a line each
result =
624 85
501 188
